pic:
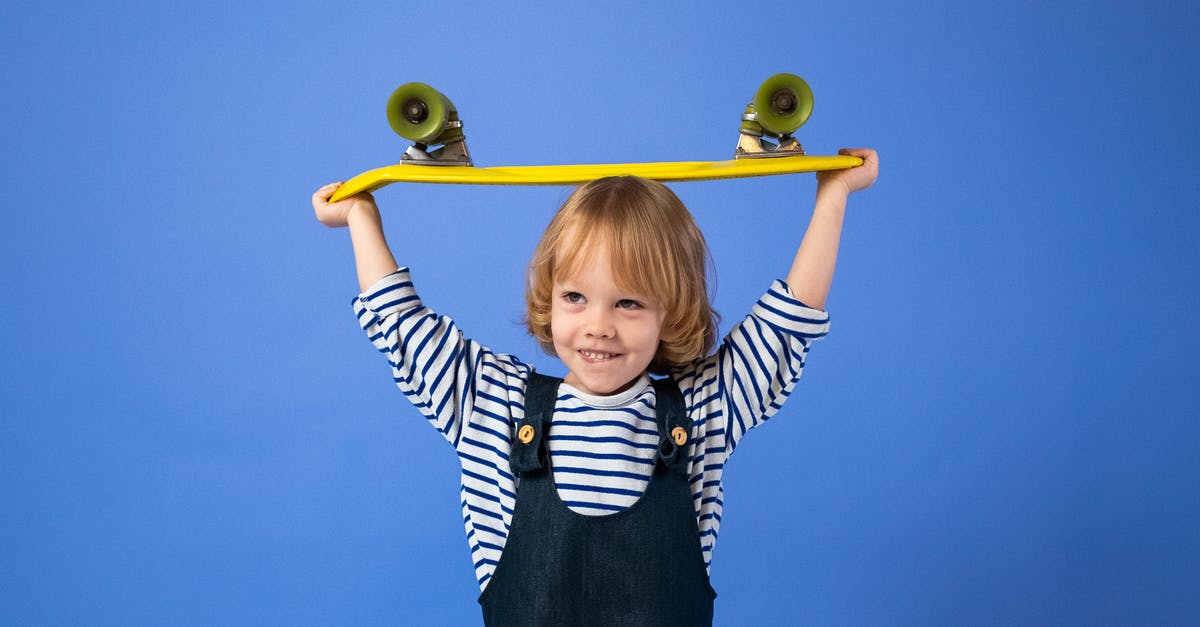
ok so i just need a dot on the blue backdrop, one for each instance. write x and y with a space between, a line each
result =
997 431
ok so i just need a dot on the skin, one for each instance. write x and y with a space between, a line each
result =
811 274
372 256
809 278
605 336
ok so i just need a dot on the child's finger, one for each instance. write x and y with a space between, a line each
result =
326 191
866 154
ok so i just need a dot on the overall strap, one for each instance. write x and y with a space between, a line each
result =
674 429
528 452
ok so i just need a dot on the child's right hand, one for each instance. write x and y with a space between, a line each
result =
338 214
852 179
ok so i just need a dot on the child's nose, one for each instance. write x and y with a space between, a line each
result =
600 325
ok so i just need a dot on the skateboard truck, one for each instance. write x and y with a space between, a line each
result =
420 113
781 105
451 153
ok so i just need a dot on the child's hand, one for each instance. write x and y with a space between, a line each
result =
338 214
853 179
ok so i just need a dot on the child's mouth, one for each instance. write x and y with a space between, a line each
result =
596 357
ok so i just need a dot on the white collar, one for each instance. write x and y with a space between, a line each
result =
611 400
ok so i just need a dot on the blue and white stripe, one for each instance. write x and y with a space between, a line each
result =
602 448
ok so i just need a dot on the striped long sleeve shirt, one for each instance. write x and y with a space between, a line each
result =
602 448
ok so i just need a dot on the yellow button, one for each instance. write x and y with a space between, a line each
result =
525 434
679 435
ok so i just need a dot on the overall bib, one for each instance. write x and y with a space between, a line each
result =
640 567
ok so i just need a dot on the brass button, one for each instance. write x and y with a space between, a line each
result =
525 434
679 435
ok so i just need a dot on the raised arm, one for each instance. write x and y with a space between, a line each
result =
812 270
372 256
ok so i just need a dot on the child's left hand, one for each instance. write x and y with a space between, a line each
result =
853 179
337 214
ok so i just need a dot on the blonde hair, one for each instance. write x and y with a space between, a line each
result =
655 249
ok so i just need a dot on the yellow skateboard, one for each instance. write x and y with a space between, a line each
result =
419 113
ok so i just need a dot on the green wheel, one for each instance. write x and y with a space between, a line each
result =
783 103
418 112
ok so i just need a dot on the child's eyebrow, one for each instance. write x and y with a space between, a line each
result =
623 293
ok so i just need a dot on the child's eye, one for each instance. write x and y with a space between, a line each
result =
573 297
628 304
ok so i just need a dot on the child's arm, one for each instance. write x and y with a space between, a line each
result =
812 270
371 253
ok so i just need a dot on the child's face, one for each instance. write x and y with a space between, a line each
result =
605 335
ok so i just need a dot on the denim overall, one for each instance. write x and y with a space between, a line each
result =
639 567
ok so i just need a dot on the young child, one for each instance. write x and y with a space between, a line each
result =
596 499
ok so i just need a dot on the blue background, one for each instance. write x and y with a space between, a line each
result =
999 429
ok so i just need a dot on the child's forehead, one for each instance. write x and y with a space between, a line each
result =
582 247
595 259
574 257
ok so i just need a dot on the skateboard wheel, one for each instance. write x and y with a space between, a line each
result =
783 103
418 112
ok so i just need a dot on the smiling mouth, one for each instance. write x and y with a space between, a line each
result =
597 357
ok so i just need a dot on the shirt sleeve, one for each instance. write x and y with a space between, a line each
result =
444 374
755 368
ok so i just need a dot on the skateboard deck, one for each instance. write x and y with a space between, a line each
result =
671 171
421 114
